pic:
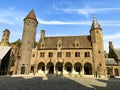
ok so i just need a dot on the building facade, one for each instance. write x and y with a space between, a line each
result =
113 61
70 55
62 55
5 51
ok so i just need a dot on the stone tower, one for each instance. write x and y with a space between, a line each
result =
28 40
5 38
99 66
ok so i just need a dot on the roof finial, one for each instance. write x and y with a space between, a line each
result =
94 18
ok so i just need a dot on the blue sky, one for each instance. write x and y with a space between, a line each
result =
62 17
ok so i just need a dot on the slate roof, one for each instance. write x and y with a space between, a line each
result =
110 61
117 52
95 24
3 51
68 41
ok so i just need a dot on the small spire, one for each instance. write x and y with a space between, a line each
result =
95 24
31 15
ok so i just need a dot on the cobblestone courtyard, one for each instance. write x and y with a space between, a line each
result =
52 82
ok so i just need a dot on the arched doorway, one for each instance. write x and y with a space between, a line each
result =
50 68
77 67
116 72
109 71
88 69
59 67
23 70
68 67
32 69
41 67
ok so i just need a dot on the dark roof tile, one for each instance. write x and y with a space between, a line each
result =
68 41
110 61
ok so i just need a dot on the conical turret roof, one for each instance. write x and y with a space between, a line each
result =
31 15
95 24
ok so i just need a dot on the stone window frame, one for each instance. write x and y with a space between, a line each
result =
42 54
77 54
68 54
87 54
59 54
50 54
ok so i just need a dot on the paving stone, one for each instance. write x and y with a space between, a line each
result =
52 82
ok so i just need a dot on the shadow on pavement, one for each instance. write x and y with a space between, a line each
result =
52 82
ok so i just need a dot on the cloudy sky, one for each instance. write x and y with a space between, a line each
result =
63 17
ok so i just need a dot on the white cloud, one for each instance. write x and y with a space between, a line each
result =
11 16
112 36
86 11
13 20
55 22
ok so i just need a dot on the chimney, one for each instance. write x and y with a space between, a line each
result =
42 34
110 45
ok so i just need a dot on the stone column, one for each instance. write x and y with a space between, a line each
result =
54 70
73 71
35 69
82 70
45 70
119 68
63 70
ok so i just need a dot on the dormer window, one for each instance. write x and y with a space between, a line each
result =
76 43
59 44
42 45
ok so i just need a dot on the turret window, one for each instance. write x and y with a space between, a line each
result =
33 55
99 51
